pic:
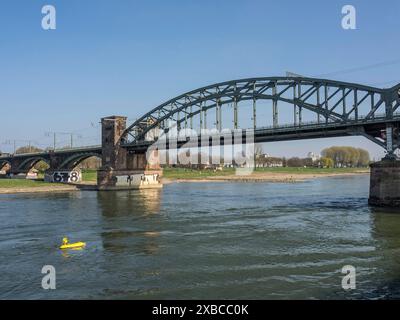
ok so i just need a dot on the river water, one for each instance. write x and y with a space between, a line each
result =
204 241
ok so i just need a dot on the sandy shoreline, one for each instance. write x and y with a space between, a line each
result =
49 188
39 189
257 177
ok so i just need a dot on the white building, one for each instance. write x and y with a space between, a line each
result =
315 157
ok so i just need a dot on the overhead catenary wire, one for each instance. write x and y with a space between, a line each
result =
361 68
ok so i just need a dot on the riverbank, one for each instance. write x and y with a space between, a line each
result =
12 186
21 185
259 175
179 175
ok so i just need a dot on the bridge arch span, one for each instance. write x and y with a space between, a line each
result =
331 102
4 163
27 164
75 159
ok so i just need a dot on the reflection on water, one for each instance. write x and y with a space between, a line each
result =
125 208
202 240
141 202
68 253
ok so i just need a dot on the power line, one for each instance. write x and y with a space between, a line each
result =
14 142
392 82
54 134
367 67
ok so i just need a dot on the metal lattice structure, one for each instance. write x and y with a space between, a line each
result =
331 102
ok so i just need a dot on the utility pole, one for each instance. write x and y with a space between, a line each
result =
14 144
54 134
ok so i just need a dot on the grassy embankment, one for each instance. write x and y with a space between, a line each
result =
22 183
87 176
181 173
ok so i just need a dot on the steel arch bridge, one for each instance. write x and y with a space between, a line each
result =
317 108
339 108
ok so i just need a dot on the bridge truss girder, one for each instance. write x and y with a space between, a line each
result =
331 102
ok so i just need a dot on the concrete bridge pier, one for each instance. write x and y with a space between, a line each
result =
122 170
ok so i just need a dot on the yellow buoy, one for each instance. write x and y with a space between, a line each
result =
67 245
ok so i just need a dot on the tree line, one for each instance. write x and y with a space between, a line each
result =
333 157
347 156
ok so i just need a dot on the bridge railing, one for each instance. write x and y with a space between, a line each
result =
322 123
314 124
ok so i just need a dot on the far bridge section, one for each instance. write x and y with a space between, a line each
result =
62 163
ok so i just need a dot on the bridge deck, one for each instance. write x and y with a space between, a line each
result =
309 130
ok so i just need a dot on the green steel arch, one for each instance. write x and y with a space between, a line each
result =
326 98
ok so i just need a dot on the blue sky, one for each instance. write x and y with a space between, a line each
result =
126 57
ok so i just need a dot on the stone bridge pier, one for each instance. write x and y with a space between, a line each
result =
122 169
385 183
385 175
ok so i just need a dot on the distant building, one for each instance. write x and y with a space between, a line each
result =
314 157
266 161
